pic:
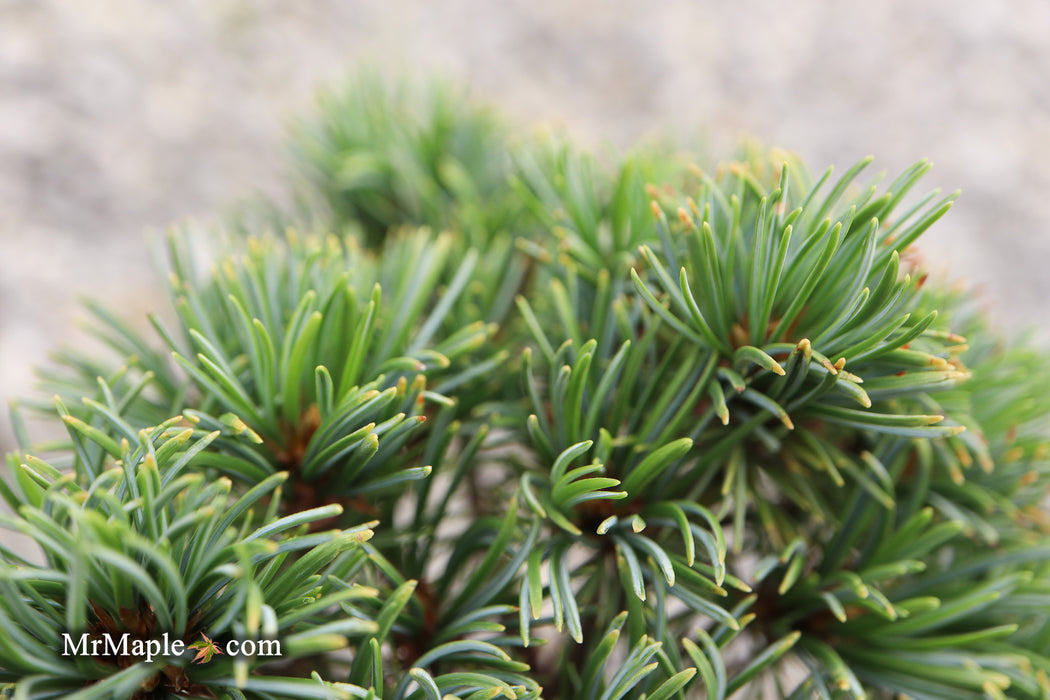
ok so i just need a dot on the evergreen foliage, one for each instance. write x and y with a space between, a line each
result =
519 422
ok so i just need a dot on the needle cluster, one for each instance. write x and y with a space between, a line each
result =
505 419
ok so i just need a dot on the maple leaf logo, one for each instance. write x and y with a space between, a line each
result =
206 648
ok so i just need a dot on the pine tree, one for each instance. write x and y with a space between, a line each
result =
509 420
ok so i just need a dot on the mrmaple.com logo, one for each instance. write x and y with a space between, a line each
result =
165 647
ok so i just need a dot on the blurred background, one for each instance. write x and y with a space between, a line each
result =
120 117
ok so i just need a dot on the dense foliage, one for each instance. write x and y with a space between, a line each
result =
517 421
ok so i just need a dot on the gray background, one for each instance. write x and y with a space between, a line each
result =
118 117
